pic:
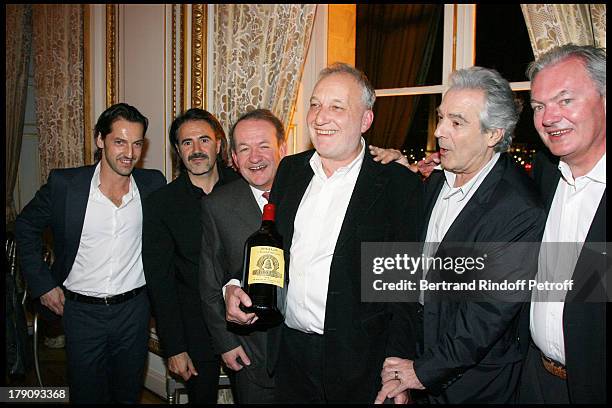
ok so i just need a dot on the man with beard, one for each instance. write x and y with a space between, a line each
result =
172 235
96 282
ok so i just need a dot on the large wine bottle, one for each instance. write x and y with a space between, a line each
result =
264 269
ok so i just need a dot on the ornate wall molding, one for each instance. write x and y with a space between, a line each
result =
198 55
173 61
111 54
87 84
183 47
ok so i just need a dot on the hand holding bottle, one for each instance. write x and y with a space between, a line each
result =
234 297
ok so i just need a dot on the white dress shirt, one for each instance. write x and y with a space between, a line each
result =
449 204
261 200
316 229
569 220
109 258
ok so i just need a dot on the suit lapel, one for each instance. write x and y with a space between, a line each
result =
246 207
77 196
472 210
597 231
368 188
432 191
142 182
550 179
291 200
589 273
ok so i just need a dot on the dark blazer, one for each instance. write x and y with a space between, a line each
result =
584 323
384 207
171 242
229 217
61 204
471 349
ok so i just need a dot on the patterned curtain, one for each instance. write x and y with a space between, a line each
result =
551 25
58 78
18 43
259 52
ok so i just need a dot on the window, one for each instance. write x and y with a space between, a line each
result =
459 37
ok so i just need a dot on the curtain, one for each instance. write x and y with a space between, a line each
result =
18 43
404 34
259 52
551 25
58 77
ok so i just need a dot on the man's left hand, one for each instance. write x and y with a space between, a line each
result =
181 364
383 394
395 368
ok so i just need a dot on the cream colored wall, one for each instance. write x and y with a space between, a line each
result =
142 73
97 64
142 69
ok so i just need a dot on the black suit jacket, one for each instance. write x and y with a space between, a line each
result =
61 204
384 207
229 217
171 242
467 345
584 323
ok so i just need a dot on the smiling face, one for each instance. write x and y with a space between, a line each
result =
464 148
198 147
336 119
257 152
122 147
570 114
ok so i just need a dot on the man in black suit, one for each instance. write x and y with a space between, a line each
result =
171 241
330 200
229 217
97 279
566 359
471 349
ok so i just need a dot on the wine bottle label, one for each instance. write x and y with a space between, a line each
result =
267 265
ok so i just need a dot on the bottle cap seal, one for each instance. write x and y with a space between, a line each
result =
269 212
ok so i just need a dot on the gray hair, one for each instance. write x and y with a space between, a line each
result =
500 110
594 60
368 93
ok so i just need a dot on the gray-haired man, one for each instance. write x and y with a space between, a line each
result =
471 349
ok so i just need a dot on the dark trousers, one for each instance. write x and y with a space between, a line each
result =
299 373
538 386
202 389
106 348
248 392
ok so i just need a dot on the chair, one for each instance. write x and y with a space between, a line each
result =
33 316
20 289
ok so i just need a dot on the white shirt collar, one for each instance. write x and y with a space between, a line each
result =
597 173
465 189
94 189
258 194
317 166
